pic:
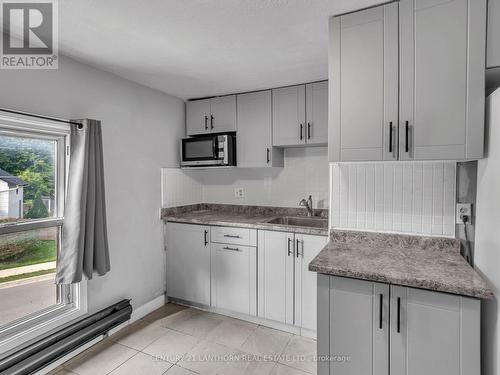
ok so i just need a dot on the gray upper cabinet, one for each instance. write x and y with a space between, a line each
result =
300 115
289 116
317 113
214 115
254 140
197 117
364 84
493 37
437 47
223 116
442 49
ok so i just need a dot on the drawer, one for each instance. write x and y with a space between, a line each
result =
237 236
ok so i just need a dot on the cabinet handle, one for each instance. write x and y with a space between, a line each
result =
289 250
297 252
231 236
399 315
301 132
308 130
206 122
211 121
267 155
390 137
231 248
206 237
381 299
407 129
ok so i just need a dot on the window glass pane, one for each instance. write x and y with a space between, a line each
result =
27 267
27 178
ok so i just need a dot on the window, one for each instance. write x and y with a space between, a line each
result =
33 170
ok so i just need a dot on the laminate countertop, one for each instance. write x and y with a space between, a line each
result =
414 261
255 217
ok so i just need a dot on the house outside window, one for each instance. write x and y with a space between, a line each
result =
33 171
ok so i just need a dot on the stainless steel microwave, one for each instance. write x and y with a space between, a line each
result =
214 150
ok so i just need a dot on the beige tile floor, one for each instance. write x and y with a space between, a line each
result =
175 340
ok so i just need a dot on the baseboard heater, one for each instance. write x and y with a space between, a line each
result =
41 353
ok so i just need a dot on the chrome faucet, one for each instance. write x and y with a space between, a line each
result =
308 204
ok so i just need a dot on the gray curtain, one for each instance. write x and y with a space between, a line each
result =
84 236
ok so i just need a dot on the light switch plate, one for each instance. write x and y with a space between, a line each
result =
239 192
463 209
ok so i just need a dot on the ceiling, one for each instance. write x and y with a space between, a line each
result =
197 48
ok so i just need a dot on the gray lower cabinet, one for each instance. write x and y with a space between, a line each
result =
286 288
407 81
373 328
188 262
255 133
234 278
493 36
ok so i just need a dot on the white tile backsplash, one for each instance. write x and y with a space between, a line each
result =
407 197
306 172
180 187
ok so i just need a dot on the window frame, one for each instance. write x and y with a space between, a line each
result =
73 298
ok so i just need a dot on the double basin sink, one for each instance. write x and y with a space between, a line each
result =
303 221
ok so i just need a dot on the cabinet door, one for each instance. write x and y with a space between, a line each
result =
493 37
188 262
433 333
306 248
254 138
275 275
223 114
363 78
289 116
317 113
234 278
442 79
359 326
197 117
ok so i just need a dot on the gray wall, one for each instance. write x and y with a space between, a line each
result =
141 128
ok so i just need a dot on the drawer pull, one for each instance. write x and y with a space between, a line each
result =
231 248
231 236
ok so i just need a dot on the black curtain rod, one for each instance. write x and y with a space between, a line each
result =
42 117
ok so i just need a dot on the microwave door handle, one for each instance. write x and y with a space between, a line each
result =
214 147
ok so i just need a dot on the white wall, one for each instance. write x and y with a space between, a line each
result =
141 129
487 249
305 173
407 197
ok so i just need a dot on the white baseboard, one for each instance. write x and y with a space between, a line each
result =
147 308
137 314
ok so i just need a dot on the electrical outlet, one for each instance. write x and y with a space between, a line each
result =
239 192
464 210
